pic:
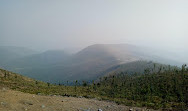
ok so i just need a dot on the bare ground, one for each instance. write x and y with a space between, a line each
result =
18 101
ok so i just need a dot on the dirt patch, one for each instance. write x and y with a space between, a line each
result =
17 101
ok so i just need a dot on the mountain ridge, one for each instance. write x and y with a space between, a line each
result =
87 64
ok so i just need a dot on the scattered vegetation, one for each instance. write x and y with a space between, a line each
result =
161 89
167 89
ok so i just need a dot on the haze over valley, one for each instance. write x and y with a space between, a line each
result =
88 64
133 53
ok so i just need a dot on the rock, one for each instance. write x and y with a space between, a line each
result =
29 103
131 109
24 109
43 106
89 96
3 89
4 104
26 102
108 106
87 110
81 109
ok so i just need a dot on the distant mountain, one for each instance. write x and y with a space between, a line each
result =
37 65
9 53
51 57
88 64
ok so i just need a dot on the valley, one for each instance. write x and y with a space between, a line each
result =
93 55
88 64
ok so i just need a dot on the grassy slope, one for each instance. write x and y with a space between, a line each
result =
134 91
21 83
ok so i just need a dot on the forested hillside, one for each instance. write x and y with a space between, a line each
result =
138 67
168 88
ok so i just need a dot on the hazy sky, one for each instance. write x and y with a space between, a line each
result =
50 24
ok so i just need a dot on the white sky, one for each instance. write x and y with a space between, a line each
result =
43 24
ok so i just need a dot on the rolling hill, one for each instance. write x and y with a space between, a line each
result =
10 53
88 64
138 68
45 59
